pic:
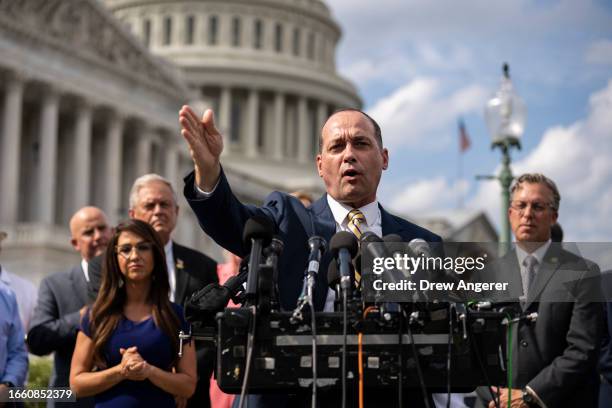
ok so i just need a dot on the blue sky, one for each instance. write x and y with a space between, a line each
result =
420 65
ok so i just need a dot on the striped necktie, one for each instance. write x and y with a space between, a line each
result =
356 221
356 224
531 263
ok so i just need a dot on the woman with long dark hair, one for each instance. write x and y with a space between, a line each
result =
126 353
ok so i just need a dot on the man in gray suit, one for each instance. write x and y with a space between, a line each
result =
554 356
62 296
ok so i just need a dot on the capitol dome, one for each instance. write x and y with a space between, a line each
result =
266 67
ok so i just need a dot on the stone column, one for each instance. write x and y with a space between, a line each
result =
10 154
157 31
224 29
82 149
48 156
252 123
113 167
321 118
304 141
279 126
225 112
143 152
171 170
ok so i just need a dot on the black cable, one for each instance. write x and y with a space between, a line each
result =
314 352
249 357
344 334
418 367
482 367
400 387
449 355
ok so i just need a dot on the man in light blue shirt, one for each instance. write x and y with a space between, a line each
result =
13 353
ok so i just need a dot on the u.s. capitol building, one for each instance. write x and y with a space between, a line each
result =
89 95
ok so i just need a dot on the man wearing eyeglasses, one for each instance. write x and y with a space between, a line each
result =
553 357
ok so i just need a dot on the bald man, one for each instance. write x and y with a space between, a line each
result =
60 297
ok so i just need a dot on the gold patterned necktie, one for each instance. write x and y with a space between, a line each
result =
356 221
356 224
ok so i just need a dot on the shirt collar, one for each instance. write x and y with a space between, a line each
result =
538 253
370 211
168 249
85 267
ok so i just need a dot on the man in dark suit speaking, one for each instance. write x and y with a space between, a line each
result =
350 161
554 357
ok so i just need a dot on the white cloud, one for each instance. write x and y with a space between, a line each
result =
425 195
422 108
600 52
468 37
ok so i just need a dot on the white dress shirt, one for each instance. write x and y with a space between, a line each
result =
171 270
340 211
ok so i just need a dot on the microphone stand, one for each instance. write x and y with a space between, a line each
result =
345 284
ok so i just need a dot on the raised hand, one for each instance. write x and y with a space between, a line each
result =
205 145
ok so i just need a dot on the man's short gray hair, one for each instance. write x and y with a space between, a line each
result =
143 181
538 178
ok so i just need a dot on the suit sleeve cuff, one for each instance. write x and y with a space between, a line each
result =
536 397
203 195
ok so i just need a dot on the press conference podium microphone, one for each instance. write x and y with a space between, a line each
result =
344 247
204 304
317 246
257 234
272 253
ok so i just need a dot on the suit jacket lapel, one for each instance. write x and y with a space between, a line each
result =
79 284
182 278
388 224
323 219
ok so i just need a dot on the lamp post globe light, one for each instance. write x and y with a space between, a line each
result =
505 115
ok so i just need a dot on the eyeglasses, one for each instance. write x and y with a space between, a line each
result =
126 250
537 208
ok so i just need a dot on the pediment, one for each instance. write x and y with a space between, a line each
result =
85 28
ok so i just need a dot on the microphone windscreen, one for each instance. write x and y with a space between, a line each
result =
392 238
419 246
369 236
344 240
258 227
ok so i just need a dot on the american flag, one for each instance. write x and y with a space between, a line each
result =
464 138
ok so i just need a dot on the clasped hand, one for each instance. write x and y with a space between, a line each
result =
133 366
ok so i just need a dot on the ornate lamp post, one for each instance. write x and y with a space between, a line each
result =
505 114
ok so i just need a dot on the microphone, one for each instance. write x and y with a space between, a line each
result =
333 275
344 246
257 234
419 247
272 254
204 304
317 246
393 238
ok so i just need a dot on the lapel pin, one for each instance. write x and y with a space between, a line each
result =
180 264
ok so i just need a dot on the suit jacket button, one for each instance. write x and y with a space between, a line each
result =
524 343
